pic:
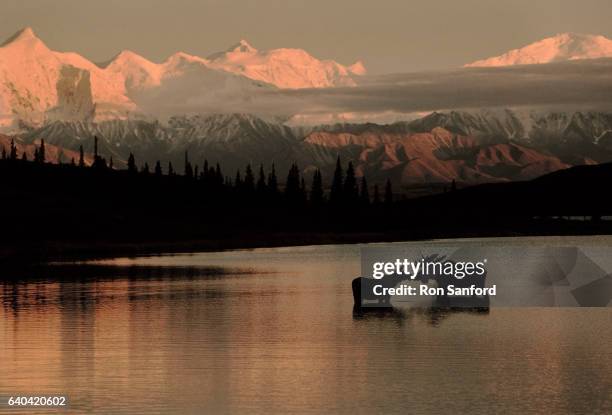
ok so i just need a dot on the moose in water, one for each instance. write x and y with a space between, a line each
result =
364 296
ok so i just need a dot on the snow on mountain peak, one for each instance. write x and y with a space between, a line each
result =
127 55
562 47
242 47
132 72
182 57
24 35
26 32
39 85
285 67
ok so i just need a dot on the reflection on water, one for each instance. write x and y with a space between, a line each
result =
273 330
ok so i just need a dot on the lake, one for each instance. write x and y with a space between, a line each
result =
273 331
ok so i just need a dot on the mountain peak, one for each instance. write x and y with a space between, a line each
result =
129 55
358 68
125 57
126 54
242 47
23 35
569 36
284 67
184 57
237 51
558 48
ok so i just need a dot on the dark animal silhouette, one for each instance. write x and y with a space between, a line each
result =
363 288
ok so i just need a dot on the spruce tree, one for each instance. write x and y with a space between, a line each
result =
13 150
272 182
238 180
131 165
376 197
41 152
364 194
218 176
13 155
158 168
261 182
453 185
81 156
316 191
3 153
388 193
24 156
303 192
145 168
110 164
170 169
350 185
101 163
292 186
335 195
188 167
249 180
98 161
205 173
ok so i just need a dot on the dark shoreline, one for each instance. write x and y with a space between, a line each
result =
105 214
26 253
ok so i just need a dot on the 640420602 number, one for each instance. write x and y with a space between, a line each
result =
30 401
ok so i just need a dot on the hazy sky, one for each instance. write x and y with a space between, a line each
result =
388 35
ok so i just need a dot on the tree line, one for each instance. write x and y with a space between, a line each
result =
345 188
89 199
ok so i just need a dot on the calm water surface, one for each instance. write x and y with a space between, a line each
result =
272 331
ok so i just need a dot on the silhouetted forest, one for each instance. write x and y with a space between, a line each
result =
45 203
48 200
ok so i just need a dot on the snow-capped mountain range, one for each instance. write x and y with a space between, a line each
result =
66 100
39 85
285 68
562 47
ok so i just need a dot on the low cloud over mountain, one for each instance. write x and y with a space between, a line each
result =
577 84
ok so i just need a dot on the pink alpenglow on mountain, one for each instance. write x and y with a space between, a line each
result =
39 85
563 47
438 156
285 68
